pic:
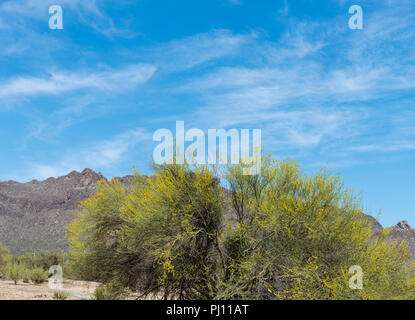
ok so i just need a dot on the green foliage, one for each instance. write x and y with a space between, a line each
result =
30 266
38 275
162 236
286 236
4 255
45 259
4 258
69 271
41 259
299 237
113 290
173 222
93 235
15 271
60 295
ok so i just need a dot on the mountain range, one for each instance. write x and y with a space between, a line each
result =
34 215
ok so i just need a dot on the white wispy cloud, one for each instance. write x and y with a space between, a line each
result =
393 147
61 81
99 156
318 87
303 100
76 110
188 52
173 56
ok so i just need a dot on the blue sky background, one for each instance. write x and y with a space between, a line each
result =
92 94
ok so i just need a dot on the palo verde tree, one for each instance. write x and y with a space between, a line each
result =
161 237
4 258
93 234
296 238
277 235
175 222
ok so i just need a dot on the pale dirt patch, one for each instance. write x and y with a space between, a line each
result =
76 290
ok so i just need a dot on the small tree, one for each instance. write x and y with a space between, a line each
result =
174 223
113 290
4 258
60 295
160 237
38 275
93 234
288 236
15 272
299 236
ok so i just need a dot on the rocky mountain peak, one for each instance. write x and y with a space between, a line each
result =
403 225
34 215
87 177
90 177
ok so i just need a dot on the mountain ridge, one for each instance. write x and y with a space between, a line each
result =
34 214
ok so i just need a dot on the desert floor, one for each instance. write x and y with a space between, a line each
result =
76 290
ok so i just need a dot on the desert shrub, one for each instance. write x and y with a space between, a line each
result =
26 259
60 295
15 271
299 235
160 237
69 272
174 222
45 259
288 236
26 274
4 258
30 266
4 255
38 275
42 259
93 235
113 290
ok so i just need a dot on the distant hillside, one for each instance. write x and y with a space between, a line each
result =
34 215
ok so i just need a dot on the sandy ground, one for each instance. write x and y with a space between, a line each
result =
76 290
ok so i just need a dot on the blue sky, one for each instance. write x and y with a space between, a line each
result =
92 94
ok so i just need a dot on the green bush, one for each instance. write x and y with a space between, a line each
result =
69 272
94 257
113 290
41 259
4 258
286 236
26 274
38 275
60 295
299 235
45 259
173 218
4 255
15 271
